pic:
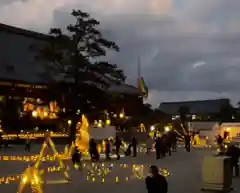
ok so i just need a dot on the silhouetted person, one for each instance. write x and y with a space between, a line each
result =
76 159
155 182
163 145
118 144
158 147
1 141
234 153
187 142
220 142
28 145
107 149
134 146
93 150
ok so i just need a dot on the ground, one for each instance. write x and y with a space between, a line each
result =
185 173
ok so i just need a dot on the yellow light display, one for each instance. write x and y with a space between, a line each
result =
95 173
8 179
30 158
82 139
108 122
49 141
141 128
31 176
32 135
138 171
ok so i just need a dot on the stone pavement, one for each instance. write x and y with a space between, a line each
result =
185 174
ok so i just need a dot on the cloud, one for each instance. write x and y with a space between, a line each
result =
189 48
199 64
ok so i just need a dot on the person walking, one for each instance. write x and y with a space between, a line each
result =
134 146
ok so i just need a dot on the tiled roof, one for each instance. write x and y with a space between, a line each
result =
195 107
22 32
17 61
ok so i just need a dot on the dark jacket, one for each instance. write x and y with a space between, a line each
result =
157 184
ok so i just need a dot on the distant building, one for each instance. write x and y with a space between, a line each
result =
198 110
21 75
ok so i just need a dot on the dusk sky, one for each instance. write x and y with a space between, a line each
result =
190 49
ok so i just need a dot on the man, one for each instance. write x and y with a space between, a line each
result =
107 149
156 183
93 150
234 153
134 146
187 142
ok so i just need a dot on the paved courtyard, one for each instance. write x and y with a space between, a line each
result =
184 168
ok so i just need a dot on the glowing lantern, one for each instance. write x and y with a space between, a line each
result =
45 113
166 129
99 124
152 128
121 115
34 114
69 122
108 121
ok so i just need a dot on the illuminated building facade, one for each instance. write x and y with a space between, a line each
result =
21 78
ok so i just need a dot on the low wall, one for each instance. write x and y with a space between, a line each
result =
127 136
102 133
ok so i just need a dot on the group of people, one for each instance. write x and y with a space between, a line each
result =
164 144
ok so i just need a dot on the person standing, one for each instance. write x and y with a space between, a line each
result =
27 144
234 153
187 142
93 150
155 182
118 144
107 149
134 146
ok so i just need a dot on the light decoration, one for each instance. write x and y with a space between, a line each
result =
32 135
99 123
14 178
138 171
82 136
38 110
152 128
95 172
48 141
32 176
141 128
122 114
167 128
108 122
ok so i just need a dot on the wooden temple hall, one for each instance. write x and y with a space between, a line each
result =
21 78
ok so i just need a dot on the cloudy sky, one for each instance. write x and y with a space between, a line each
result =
190 49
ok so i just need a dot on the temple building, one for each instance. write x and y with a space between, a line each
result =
204 110
22 77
